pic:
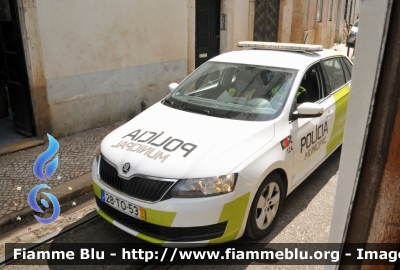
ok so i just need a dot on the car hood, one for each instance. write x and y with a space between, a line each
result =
170 143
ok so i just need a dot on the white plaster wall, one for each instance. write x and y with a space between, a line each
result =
81 36
237 28
103 57
85 101
286 30
225 44
240 22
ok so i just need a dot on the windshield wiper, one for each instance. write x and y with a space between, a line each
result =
169 102
206 112
172 104
217 114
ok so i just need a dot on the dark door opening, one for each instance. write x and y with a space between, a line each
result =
207 30
15 101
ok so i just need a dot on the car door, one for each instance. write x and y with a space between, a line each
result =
338 77
310 136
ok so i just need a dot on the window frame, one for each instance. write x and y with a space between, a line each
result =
348 64
330 10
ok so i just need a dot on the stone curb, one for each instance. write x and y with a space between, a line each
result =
80 186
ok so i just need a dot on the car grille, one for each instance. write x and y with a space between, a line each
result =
137 187
180 234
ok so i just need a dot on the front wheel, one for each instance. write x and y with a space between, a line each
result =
265 207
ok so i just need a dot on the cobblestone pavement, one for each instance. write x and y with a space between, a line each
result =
75 155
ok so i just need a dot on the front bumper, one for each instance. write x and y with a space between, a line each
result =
174 234
194 221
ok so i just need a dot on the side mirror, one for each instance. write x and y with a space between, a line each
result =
308 110
172 86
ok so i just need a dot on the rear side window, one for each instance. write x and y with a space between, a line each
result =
346 70
334 73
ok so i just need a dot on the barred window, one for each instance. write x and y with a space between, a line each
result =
330 10
319 10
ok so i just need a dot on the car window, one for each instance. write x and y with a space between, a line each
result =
346 70
334 73
208 79
348 64
237 91
311 83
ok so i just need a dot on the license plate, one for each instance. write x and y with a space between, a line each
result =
123 206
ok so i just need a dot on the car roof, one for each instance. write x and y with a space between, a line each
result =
275 58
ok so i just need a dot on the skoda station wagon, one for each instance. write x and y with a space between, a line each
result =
215 159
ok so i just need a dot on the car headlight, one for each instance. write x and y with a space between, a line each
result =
204 187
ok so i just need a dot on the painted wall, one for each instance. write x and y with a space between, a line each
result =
325 30
353 10
240 22
102 58
297 20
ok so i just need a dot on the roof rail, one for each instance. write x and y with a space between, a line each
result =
280 46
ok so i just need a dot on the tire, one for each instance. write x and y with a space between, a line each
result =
265 207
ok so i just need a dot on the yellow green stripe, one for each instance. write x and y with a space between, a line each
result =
161 218
105 216
329 53
150 239
234 213
341 101
97 190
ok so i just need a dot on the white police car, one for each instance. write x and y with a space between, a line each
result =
215 159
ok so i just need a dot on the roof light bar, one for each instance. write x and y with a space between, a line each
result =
280 46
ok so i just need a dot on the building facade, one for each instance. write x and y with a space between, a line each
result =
351 11
88 63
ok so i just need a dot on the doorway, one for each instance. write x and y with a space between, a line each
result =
266 20
16 117
207 30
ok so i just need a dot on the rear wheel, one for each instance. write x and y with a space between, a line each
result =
265 207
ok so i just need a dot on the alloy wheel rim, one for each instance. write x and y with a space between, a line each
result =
267 205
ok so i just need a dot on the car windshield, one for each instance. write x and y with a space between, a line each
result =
236 91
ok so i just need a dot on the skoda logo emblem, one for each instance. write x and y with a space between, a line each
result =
126 167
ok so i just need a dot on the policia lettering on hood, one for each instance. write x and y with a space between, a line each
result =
148 139
314 139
